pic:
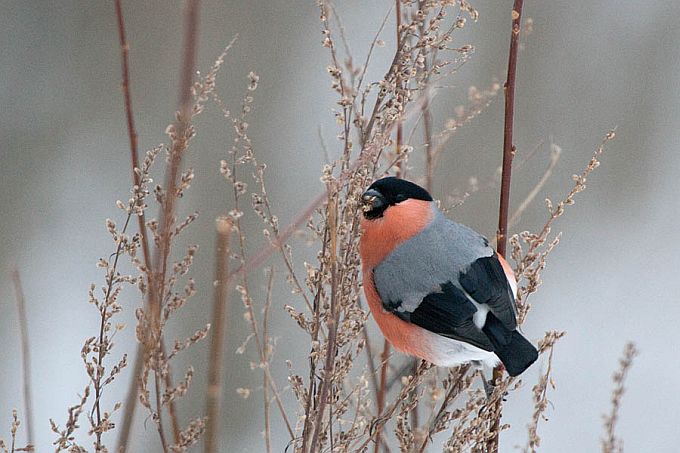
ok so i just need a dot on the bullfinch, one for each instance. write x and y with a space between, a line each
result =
436 289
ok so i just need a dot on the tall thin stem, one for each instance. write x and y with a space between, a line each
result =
131 399
331 343
508 146
508 154
219 319
25 353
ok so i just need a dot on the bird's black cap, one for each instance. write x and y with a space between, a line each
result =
389 191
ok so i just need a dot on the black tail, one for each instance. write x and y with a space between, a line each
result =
515 351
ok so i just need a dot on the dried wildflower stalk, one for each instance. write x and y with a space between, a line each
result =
97 348
611 443
540 390
14 427
530 263
241 154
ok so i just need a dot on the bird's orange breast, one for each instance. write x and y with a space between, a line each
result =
398 224
379 238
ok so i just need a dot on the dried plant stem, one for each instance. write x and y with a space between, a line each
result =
25 354
331 344
457 386
132 131
400 125
159 411
130 403
220 304
508 154
382 390
508 146
554 158
265 376
427 120
245 295
540 390
611 444
385 416
179 146
131 398
172 408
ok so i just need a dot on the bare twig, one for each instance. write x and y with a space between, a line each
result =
219 320
25 353
508 146
508 154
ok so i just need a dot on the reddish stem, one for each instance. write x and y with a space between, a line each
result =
508 154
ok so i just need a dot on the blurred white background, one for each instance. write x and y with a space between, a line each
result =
586 68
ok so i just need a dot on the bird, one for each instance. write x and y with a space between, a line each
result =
436 288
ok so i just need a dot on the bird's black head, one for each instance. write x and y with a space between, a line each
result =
387 192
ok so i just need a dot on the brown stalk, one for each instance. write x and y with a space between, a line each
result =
400 132
131 399
508 154
213 395
427 122
25 354
179 146
132 131
265 376
382 390
331 344
312 366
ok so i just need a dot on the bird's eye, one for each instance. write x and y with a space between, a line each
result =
399 198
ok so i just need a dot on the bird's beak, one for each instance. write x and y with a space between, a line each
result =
372 199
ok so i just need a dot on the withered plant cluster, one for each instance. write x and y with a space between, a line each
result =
347 396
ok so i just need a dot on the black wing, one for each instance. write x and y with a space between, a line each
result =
486 283
450 313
